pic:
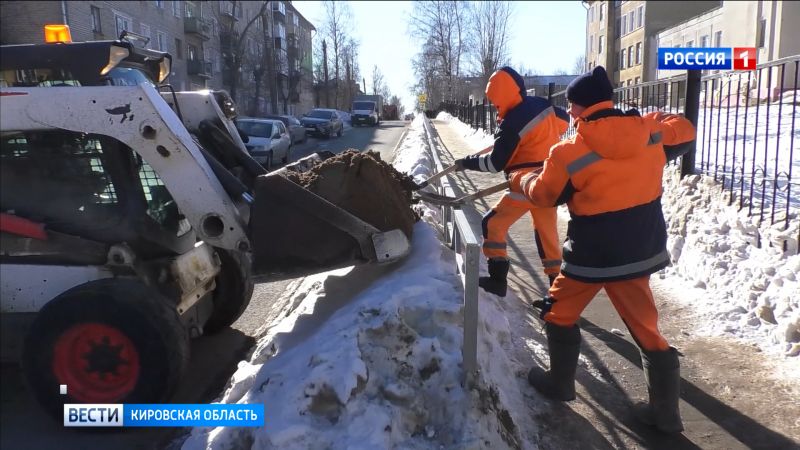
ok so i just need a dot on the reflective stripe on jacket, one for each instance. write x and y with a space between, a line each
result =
610 174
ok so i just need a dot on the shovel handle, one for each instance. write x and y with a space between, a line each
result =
436 176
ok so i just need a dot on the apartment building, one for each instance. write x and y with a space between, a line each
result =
622 35
770 26
201 36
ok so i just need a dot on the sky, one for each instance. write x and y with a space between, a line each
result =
545 37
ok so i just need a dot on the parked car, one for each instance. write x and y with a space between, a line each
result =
296 130
269 140
323 122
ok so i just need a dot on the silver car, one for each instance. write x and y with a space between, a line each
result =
269 141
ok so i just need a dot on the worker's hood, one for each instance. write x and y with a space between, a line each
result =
505 90
314 121
612 133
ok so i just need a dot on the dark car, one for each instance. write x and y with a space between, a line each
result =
323 122
296 129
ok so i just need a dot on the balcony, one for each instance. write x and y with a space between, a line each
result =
279 11
199 67
197 26
280 43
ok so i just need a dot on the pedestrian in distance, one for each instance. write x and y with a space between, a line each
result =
610 176
528 127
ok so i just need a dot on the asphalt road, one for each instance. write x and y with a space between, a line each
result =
213 360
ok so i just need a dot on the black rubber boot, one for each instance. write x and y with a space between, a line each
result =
496 283
564 346
662 374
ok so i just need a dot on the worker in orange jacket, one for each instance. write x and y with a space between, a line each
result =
528 127
610 176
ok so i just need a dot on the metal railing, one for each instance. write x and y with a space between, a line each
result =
746 131
458 235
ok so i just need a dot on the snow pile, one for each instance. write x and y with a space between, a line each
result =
745 291
478 139
370 357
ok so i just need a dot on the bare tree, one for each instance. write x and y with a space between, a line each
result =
579 66
337 22
441 25
237 57
489 36
377 81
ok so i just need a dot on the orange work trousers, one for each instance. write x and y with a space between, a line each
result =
632 299
508 210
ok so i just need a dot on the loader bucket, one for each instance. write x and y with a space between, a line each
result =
295 232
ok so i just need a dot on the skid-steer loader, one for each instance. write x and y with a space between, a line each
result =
132 218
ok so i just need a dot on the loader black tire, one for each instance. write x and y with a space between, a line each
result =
233 292
114 340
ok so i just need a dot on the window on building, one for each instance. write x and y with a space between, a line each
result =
159 3
762 33
591 44
600 10
629 82
690 44
192 52
622 59
636 81
123 23
178 48
161 40
239 11
640 16
192 9
704 41
718 39
624 25
280 31
617 28
145 31
207 57
96 20
631 25
630 56
176 8
638 53
600 44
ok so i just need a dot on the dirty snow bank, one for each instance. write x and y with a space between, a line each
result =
742 290
380 369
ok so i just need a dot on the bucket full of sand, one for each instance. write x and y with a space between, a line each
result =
311 218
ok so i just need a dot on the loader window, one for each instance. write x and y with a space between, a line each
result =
161 207
59 178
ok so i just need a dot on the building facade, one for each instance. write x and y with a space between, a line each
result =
771 27
622 35
239 46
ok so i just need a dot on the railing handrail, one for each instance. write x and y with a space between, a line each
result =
469 270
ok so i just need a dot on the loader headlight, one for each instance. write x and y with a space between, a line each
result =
116 54
163 69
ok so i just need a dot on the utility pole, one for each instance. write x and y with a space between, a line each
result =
364 84
325 72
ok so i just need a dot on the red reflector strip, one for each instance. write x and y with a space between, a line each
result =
3 94
21 226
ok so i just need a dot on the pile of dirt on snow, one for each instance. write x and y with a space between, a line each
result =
365 186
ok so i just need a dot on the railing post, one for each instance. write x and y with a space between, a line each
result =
691 111
550 88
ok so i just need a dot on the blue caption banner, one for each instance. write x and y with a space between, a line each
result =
713 58
163 415
190 415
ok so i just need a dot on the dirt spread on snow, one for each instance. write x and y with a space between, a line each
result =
365 186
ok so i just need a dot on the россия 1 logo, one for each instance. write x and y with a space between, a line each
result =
713 58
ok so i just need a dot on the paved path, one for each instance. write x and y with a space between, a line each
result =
728 398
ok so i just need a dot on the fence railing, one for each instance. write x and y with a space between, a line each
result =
746 131
458 235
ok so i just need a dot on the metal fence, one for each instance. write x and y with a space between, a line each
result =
459 237
746 131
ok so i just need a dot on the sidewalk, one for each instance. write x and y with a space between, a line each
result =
730 398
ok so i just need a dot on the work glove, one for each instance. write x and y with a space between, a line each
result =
543 305
459 163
